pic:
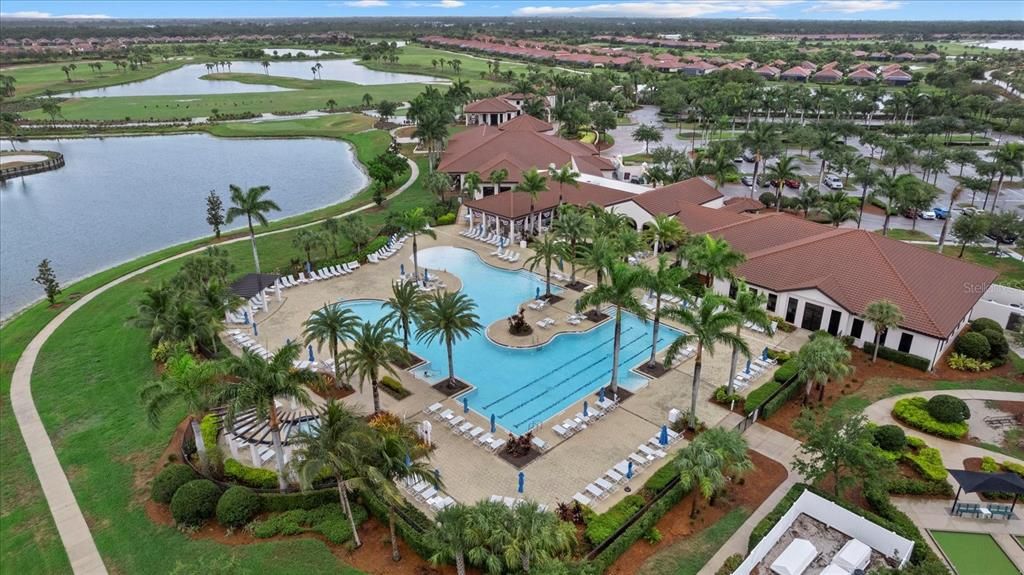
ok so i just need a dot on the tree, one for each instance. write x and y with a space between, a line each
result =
664 230
471 183
808 199
404 307
191 383
51 108
712 258
785 168
573 227
882 314
331 324
532 183
1009 161
751 308
331 104
708 324
307 240
452 536
1002 227
722 168
762 139
837 445
373 349
385 168
367 100
415 222
954 195
259 382
665 279
448 317
970 229
619 291
333 448
821 360
46 277
253 206
386 110
547 250
647 133
916 198
700 467
431 129
731 447
438 184
838 207
603 119
866 176
355 229
535 535
894 188
266 66
214 212
563 176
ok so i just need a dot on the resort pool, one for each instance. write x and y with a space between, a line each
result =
523 387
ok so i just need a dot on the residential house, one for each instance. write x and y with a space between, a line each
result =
795 74
828 76
768 72
862 76
490 112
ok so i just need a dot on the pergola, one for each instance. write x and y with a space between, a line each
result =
252 284
981 481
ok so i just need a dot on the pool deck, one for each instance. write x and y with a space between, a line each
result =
471 473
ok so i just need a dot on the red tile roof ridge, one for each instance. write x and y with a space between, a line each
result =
873 237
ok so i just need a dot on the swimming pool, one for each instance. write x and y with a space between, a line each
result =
523 387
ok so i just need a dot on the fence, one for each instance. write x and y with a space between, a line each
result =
751 417
56 160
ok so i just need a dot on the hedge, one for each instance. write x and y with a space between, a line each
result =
446 219
394 388
249 476
910 486
779 400
238 506
327 520
602 526
208 428
896 356
1014 468
276 502
913 411
661 478
757 397
412 535
169 480
927 462
786 371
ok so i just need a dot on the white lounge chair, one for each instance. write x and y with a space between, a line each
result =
595 491
539 443
514 258
474 433
455 421
582 499
432 409
497 444
464 428
445 415
561 431
484 439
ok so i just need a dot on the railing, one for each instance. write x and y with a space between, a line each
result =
56 160
751 417
633 519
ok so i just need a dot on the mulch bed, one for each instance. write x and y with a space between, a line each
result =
450 390
552 299
624 394
526 331
521 461
410 361
596 316
655 372
335 392
576 286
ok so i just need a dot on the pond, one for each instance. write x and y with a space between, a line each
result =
186 81
119 198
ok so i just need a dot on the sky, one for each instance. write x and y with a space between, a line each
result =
781 9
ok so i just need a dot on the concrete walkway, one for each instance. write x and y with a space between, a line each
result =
74 532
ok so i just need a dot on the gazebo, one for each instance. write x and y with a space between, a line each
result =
981 481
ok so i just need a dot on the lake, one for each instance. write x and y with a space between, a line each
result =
1003 44
185 81
120 198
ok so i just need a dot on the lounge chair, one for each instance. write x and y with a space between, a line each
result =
499 252
606 485
432 409
474 433
595 491
539 443
372 258
561 431
445 415
514 258
638 460
426 494
582 499
464 428
457 420
615 476
484 439
497 444
353 265
543 324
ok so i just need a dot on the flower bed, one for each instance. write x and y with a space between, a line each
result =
913 411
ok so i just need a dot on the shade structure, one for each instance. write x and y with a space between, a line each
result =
975 481
854 555
253 284
795 559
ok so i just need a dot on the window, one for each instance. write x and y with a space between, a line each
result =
858 328
905 341
732 290
791 306
773 300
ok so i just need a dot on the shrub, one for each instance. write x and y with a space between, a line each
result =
927 462
963 363
327 520
757 396
169 480
948 409
914 412
238 506
1013 468
394 388
973 345
601 527
989 465
998 346
915 442
208 428
890 438
653 536
786 371
910 486
984 323
731 563
779 355
768 199
446 219
660 478
249 476
277 502
896 356
779 400
195 502
723 396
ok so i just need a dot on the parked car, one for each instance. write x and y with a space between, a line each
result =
927 215
748 156
911 213
747 180
1007 238
833 182
970 211
766 183
793 184
940 213
738 160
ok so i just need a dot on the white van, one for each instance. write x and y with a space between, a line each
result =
833 182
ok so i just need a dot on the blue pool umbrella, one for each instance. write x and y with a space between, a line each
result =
425 276
764 354
663 439
255 330
522 481
493 426
245 317
748 367
437 475
586 410
408 460
629 471
600 395
309 268
538 292
465 405
401 268
311 358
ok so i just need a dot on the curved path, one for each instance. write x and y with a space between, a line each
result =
74 532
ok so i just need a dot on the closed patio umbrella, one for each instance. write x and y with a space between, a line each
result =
255 330
663 438
311 357
493 426
586 410
522 481
465 405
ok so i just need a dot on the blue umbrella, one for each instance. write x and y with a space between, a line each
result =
538 292
629 471
401 268
437 475
255 330
522 481
586 411
426 277
408 460
309 268
245 316
663 439
311 358
493 426
748 367
600 395
465 405
764 354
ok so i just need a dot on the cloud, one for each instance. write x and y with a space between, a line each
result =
658 9
854 6
45 15
366 3
440 4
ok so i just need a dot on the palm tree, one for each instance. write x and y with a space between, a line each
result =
953 197
259 383
448 317
731 447
306 240
534 534
533 184
453 536
808 199
471 183
367 100
331 324
838 208
663 230
700 466
751 308
547 249
722 169
763 140
373 349
665 279
415 222
894 189
619 291
564 175
707 324
253 206
404 308
712 258
785 168
882 314
1009 160
866 176
573 227
821 360
189 323
334 447
191 382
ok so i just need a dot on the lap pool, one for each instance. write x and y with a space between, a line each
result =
523 387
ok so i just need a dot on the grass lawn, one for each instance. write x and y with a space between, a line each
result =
589 137
637 159
974 553
1011 271
35 79
417 59
689 555
904 234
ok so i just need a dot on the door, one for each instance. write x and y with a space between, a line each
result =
833 322
812 317
791 305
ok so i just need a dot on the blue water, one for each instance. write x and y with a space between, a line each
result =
524 387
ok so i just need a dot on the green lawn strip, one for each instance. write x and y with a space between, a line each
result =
36 79
687 556
417 59
903 234
974 553
289 82
1011 271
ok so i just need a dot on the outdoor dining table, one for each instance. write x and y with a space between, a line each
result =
984 511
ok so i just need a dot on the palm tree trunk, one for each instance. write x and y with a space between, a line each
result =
863 200
405 333
573 262
753 183
697 364
654 337
874 352
415 260
821 391
395 555
963 247
778 198
732 366
614 385
343 495
200 445
995 198
252 238
375 388
334 359
275 434
547 281
451 363
526 562
460 563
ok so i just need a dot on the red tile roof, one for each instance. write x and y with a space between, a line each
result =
525 123
518 204
670 199
479 149
739 205
490 106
